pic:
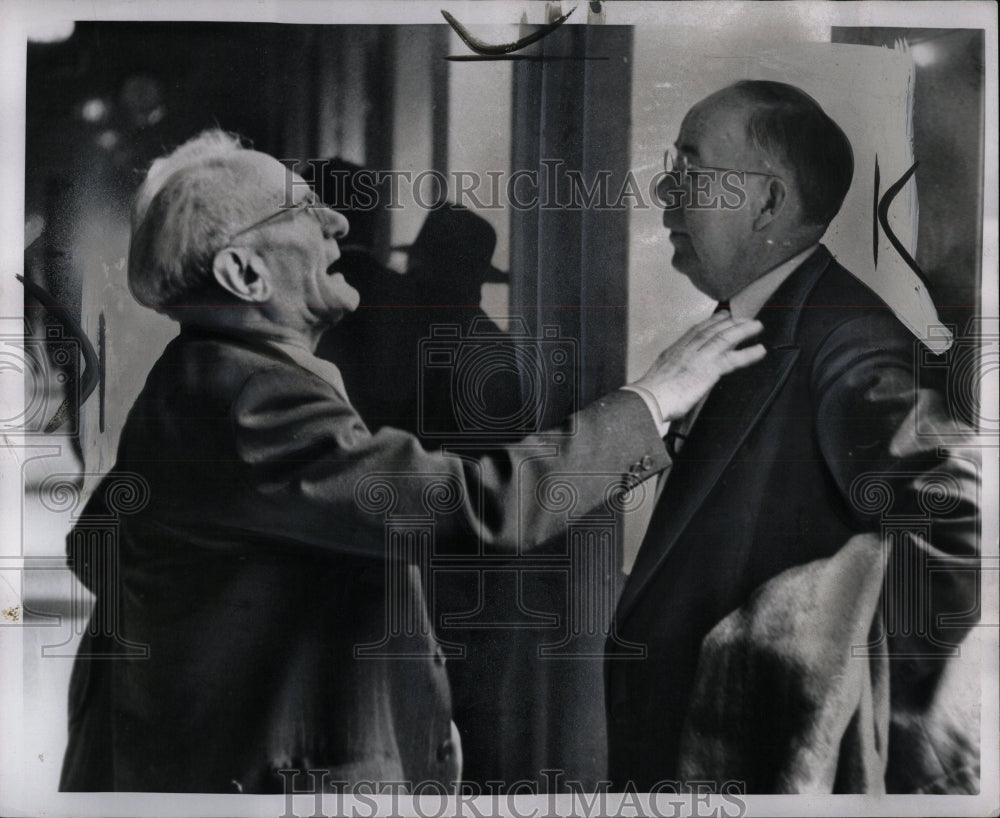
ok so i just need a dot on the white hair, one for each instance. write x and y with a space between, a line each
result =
209 144
185 207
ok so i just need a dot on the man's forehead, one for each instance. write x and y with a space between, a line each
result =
268 175
717 124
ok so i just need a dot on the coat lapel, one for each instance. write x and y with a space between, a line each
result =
732 410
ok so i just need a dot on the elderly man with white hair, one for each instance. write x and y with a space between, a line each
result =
254 569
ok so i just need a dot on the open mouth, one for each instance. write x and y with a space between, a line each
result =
347 252
339 265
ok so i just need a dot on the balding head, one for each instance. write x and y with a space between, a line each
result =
788 125
790 165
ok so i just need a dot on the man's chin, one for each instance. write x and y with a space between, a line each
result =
349 298
336 315
333 314
687 265
684 262
353 301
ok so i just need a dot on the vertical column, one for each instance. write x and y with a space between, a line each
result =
409 549
909 611
408 628
100 569
94 556
593 545
593 558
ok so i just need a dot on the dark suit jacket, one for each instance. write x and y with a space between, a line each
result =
238 555
767 480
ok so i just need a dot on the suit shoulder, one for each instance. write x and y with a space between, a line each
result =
280 382
208 365
840 304
849 335
837 286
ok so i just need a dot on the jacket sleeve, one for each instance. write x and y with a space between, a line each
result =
904 470
312 472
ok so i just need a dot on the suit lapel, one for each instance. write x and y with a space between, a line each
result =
732 410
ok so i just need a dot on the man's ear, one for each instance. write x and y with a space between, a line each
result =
772 201
240 271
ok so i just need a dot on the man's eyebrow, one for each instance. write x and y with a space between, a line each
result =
687 147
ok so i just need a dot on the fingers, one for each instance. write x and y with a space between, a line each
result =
697 335
727 337
716 327
739 358
708 339
708 327
732 332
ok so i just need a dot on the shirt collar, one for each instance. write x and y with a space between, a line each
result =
749 301
324 370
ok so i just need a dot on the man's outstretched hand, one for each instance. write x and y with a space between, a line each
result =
685 371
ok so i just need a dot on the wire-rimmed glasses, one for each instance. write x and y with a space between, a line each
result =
679 166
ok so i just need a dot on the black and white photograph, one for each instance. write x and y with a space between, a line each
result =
499 407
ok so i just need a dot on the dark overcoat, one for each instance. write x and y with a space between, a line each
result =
786 461
256 557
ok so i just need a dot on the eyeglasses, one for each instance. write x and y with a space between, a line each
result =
311 205
681 167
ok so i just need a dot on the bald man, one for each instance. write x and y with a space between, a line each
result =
764 472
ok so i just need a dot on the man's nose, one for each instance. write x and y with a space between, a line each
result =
671 195
335 225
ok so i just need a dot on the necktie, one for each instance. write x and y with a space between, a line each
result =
677 433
